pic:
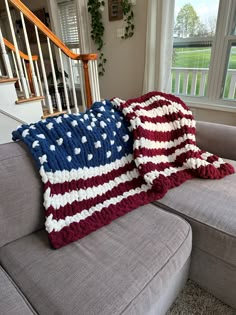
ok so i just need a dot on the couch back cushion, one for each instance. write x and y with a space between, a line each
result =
217 138
21 200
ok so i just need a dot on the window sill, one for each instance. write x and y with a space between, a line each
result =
204 103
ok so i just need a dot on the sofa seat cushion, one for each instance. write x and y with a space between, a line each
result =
12 302
124 267
209 205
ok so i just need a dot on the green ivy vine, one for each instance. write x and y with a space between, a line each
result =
95 8
128 18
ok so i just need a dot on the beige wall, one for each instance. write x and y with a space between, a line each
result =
125 58
215 116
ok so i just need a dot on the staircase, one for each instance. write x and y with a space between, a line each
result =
26 95
12 114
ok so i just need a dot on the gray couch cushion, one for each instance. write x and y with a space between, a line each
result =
124 267
209 205
216 138
12 302
21 210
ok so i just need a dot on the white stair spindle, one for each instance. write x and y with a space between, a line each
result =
17 71
64 82
98 96
21 73
91 79
82 86
47 94
73 86
39 81
5 57
57 95
38 78
26 76
34 78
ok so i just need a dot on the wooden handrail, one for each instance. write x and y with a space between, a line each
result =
46 31
12 47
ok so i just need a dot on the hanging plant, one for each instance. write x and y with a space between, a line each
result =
128 18
95 8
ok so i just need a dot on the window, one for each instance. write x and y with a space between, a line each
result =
204 52
69 24
70 32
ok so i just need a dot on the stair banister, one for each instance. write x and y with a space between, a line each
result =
85 58
5 56
33 75
26 69
64 82
45 81
20 68
17 71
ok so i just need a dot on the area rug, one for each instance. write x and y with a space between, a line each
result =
193 300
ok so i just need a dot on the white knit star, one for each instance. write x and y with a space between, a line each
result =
60 141
97 144
58 120
103 124
25 133
49 126
69 134
77 151
35 144
52 147
83 139
90 156
104 136
74 123
43 159
118 125
69 158
108 154
119 148
112 142
125 138
41 136
90 128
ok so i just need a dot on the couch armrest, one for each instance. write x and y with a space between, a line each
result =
217 139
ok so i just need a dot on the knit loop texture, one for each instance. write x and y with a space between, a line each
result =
118 155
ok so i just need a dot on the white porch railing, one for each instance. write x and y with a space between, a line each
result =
33 79
193 82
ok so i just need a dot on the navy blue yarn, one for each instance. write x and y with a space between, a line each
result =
57 160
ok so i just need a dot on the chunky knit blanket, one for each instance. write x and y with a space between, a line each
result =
99 165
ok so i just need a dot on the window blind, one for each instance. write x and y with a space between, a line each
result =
69 24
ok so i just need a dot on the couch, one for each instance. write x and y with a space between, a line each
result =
138 264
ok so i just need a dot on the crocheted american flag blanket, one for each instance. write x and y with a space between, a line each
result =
99 165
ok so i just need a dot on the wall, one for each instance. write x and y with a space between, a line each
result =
125 58
215 116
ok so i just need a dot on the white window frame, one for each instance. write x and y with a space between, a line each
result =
219 59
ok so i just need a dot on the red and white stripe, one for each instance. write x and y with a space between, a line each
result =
165 148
